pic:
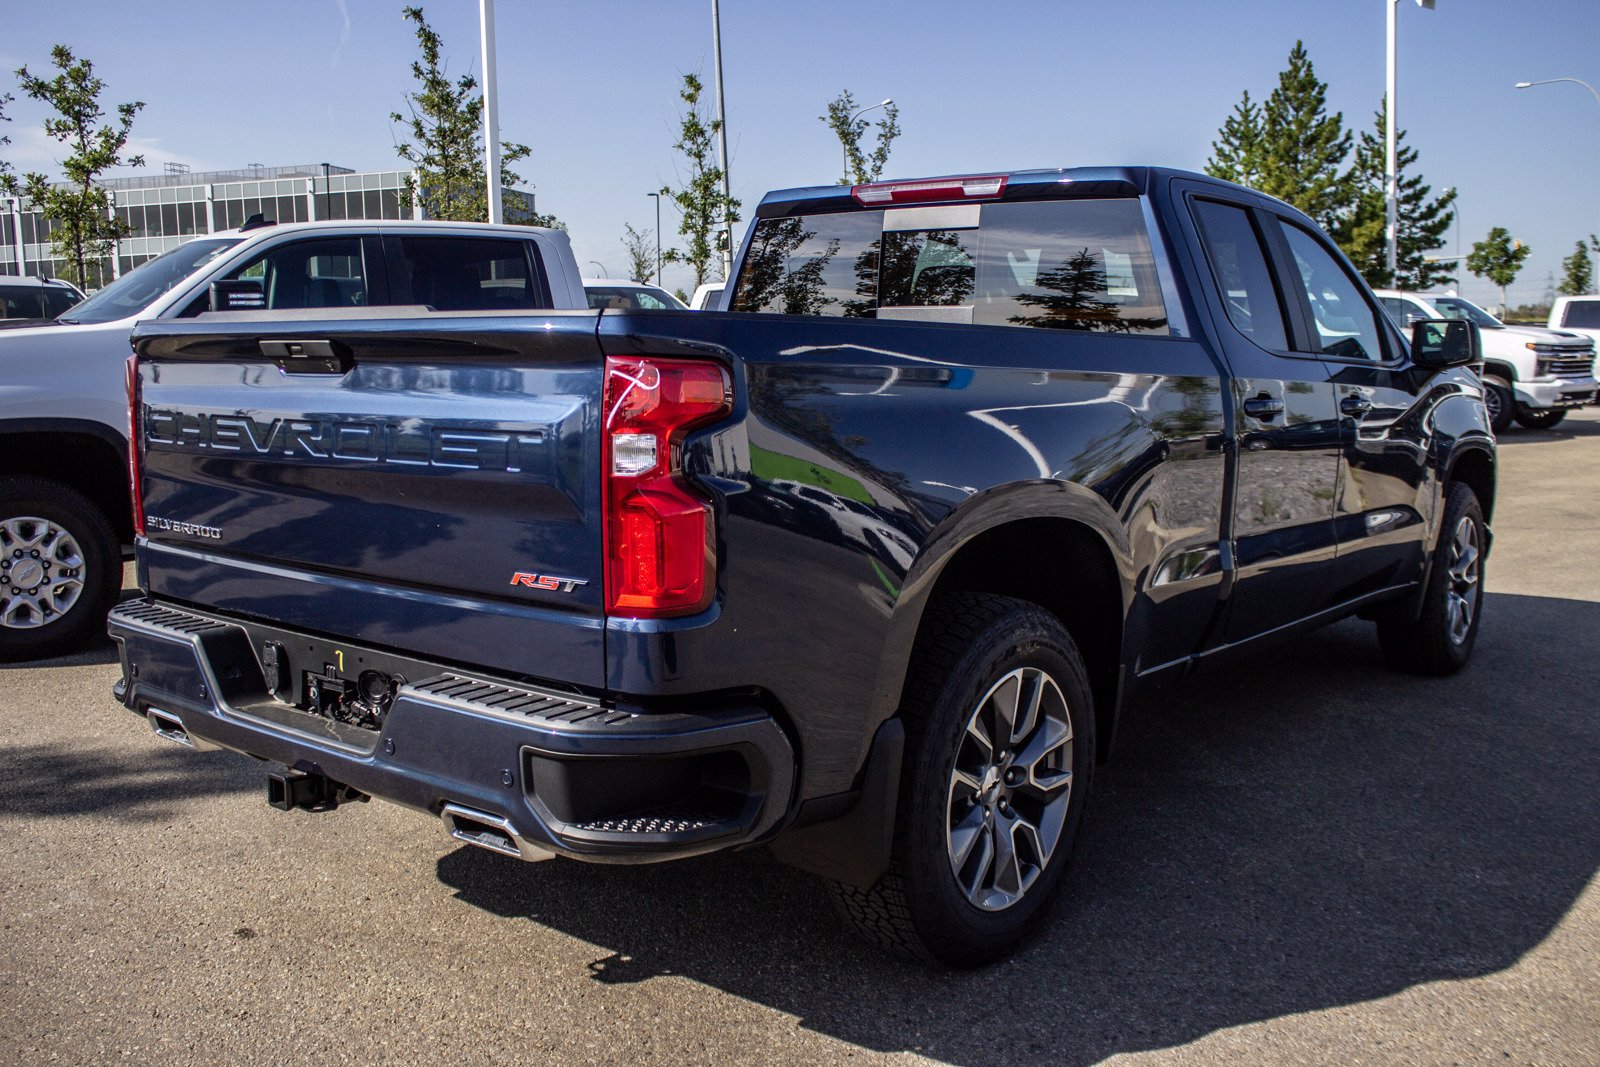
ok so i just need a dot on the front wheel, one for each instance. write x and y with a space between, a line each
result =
1537 419
1440 639
1499 403
60 568
1000 749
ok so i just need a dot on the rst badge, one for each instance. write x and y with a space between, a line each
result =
547 581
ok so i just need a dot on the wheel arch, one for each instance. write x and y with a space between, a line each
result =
1055 544
89 456
1475 466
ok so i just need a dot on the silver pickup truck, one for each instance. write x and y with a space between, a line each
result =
65 512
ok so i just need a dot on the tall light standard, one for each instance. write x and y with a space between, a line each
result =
1391 167
1552 81
844 145
491 111
722 147
657 197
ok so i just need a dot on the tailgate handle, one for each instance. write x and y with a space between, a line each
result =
308 356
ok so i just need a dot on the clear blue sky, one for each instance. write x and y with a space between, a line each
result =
1026 83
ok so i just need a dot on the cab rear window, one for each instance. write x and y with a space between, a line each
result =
1055 264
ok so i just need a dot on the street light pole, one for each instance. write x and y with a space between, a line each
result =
844 146
1391 166
722 146
657 197
491 111
1551 81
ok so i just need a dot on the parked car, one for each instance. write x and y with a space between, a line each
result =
619 295
1531 375
1577 314
27 300
64 497
707 296
862 569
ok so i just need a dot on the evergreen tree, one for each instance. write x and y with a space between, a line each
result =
1423 219
445 120
700 201
862 168
1236 153
1498 258
1577 272
1303 148
84 232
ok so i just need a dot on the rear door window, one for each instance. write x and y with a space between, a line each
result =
1239 265
1055 264
464 273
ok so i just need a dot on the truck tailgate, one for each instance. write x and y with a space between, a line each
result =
430 482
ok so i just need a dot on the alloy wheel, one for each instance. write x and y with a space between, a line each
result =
41 572
1461 594
1010 789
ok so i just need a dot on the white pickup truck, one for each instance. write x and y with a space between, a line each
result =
1531 375
1577 314
65 511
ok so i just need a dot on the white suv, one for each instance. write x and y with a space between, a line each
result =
64 503
1532 375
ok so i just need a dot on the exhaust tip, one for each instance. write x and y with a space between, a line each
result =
167 725
492 832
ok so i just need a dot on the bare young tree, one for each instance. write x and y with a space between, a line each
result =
641 253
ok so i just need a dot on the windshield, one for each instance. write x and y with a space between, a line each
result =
1453 307
142 286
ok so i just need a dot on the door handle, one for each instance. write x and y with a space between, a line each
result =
1355 405
1263 407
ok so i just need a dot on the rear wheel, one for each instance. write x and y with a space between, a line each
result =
1498 400
60 568
1440 640
1536 419
1000 753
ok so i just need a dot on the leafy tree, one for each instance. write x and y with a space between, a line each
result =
1498 258
1423 219
1577 272
84 232
445 122
8 181
1303 148
861 168
641 253
700 201
1236 153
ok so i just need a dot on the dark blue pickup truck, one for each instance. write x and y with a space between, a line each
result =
861 569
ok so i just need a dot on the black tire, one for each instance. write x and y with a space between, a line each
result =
1536 419
27 629
1500 403
1434 642
970 646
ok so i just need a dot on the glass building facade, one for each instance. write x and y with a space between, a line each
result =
163 211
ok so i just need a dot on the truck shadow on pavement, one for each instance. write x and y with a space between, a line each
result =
132 784
1302 831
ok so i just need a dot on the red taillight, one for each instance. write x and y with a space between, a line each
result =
135 487
887 194
659 544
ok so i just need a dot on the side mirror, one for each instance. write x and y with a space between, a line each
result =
1445 343
238 294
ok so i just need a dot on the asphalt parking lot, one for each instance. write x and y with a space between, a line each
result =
1304 858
